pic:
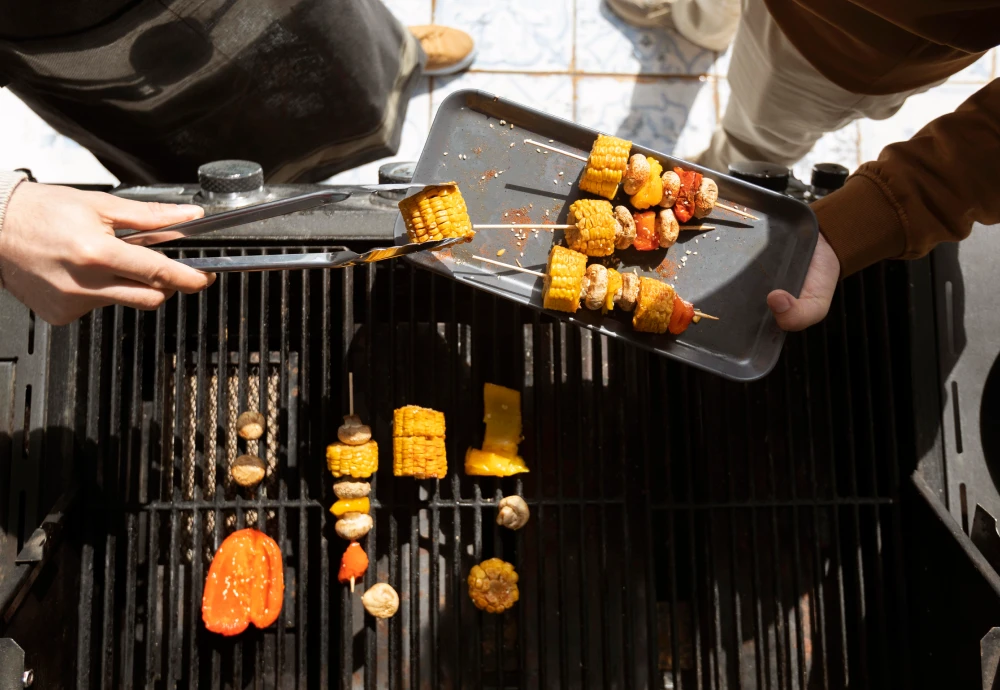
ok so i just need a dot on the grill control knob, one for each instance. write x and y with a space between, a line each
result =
231 177
766 175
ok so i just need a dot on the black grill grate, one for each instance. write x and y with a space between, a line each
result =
686 532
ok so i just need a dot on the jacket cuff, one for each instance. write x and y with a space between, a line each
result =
861 223
8 183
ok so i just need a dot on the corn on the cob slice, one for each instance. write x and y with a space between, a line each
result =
352 461
493 585
605 166
594 231
614 286
435 213
564 279
653 309
421 457
351 505
651 193
413 420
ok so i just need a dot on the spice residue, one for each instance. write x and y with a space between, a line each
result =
517 215
478 150
667 269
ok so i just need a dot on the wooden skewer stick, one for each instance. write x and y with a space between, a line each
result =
514 226
555 150
506 265
352 584
699 228
736 211
703 315
350 390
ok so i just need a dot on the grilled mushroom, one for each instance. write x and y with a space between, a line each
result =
353 432
349 489
626 223
705 197
667 228
248 471
636 174
513 513
250 425
381 600
597 286
353 526
671 188
630 291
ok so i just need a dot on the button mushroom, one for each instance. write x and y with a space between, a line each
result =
513 513
353 526
636 174
352 489
671 188
630 291
248 471
250 425
597 286
353 432
667 228
626 223
381 600
705 197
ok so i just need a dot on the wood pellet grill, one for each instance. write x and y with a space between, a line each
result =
686 531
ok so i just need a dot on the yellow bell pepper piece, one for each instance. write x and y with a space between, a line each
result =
502 408
484 463
351 505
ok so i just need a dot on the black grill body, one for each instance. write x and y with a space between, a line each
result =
686 531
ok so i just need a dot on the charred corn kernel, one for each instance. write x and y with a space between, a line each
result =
417 421
493 586
502 414
352 461
564 279
351 505
594 231
614 285
653 309
485 463
651 193
605 166
435 213
421 457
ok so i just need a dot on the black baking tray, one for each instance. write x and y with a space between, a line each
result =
729 277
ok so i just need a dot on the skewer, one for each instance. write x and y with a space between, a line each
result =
514 226
703 315
506 265
352 584
350 390
719 204
555 150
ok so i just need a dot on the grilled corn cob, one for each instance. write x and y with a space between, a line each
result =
418 443
605 166
614 288
352 461
421 457
435 213
594 231
653 309
651 193
351 505
564 279
493 585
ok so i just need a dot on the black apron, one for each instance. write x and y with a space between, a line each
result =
306 88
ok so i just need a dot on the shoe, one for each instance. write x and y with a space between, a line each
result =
643 14
448 50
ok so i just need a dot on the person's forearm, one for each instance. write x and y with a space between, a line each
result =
920 192
8 183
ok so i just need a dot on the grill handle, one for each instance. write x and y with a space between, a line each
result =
252 214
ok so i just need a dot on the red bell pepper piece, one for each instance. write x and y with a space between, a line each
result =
353 565
245 584
645 231
681 316
690 183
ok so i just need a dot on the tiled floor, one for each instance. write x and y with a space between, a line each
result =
572 58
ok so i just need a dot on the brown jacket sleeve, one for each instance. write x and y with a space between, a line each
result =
920 192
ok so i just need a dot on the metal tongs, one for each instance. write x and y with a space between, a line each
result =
280 207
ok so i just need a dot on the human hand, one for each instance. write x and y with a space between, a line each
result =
60 257
814 302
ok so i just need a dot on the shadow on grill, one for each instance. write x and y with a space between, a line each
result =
686 531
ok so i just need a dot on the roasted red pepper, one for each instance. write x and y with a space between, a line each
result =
681 316
353 565
645 231
245 584
690 183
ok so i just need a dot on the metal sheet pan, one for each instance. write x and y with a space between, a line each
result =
729 277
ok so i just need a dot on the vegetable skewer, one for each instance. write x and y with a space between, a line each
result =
609 164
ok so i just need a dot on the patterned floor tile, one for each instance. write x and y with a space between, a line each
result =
411 12
606 44
653 112
517 35
550 93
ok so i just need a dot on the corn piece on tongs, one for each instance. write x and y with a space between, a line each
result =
280 207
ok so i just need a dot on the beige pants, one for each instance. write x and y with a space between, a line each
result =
779 105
